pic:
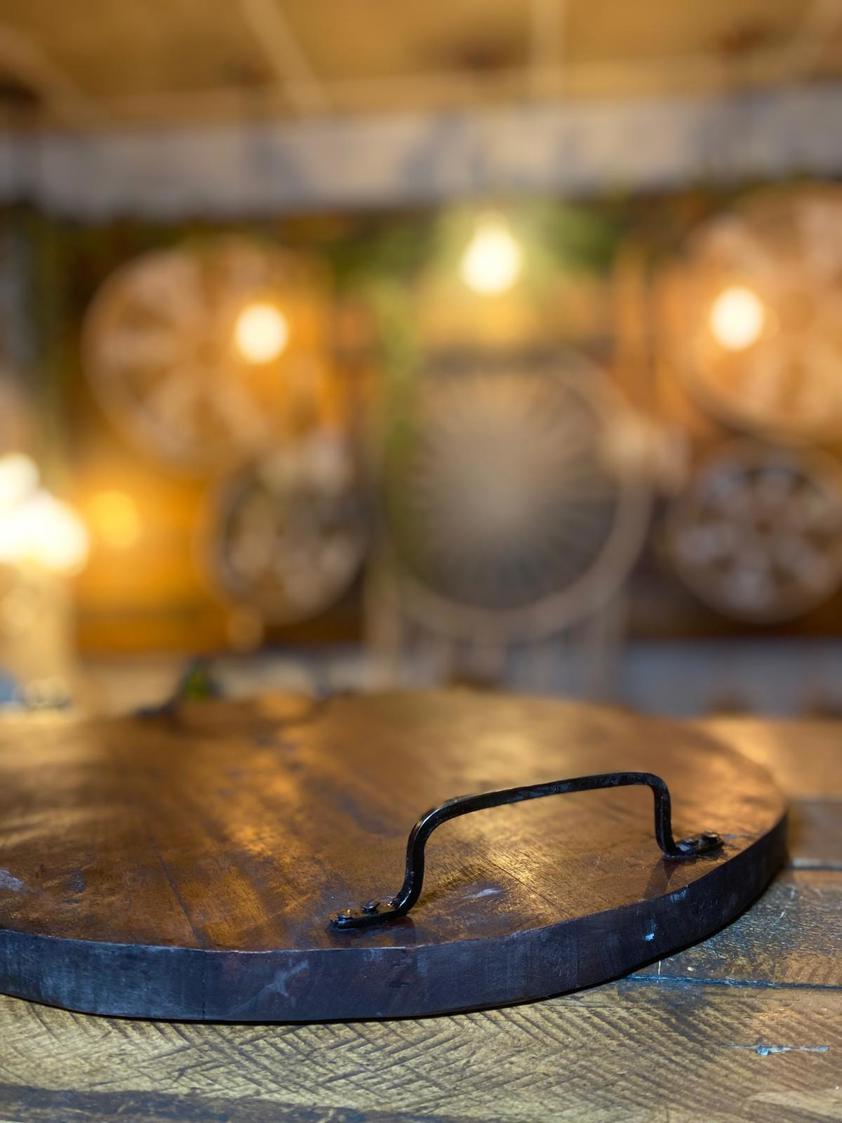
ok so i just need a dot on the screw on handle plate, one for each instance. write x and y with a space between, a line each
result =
390 908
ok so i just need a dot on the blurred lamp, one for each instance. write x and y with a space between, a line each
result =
261 332
18 478
492 260
736 318
35 527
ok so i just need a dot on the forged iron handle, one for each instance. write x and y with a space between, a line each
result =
376 912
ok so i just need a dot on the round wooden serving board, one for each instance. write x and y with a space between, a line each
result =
186 865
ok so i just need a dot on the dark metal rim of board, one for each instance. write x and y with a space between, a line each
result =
292 985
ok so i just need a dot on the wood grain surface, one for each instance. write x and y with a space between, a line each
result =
718 1032
186 864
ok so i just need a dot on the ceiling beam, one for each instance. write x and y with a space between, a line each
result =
410 159
815 36
547 20
62 97
283 51
680 76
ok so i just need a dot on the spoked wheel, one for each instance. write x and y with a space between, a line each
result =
290 533
164 354
758 533
752 314
506 515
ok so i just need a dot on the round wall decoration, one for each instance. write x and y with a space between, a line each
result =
751 313
505 509
289 533
201 352
758 532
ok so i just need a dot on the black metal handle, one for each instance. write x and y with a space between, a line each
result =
375 912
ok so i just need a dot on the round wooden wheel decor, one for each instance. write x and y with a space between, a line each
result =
202 353
751 312
758 533
509 509
242 861
289 532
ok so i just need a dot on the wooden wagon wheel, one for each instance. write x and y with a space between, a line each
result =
758 533
163 348
752 311
289 533
504 512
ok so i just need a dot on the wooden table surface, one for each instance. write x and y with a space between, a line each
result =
746 1026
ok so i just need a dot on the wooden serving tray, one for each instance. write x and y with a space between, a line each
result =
190 864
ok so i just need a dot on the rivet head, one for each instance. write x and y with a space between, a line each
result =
371 907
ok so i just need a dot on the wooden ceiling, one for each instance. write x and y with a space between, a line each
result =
95 62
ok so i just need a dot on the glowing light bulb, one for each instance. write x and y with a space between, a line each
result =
43 530
736 318
492 260
261 332
115 519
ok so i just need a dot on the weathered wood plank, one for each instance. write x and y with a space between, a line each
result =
34 1105
791 937
624 1052
805 760
815 834
805 757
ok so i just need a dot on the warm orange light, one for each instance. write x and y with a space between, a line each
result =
35 527
115 519
736 318
18 478
261 332
492 259
43 531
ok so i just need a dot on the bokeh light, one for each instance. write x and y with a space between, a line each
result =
18 478
115 519
737 317
261 332
35 527
492 261
42 530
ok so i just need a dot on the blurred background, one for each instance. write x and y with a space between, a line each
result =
354 345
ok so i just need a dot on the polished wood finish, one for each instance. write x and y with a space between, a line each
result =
185 864
677 1045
